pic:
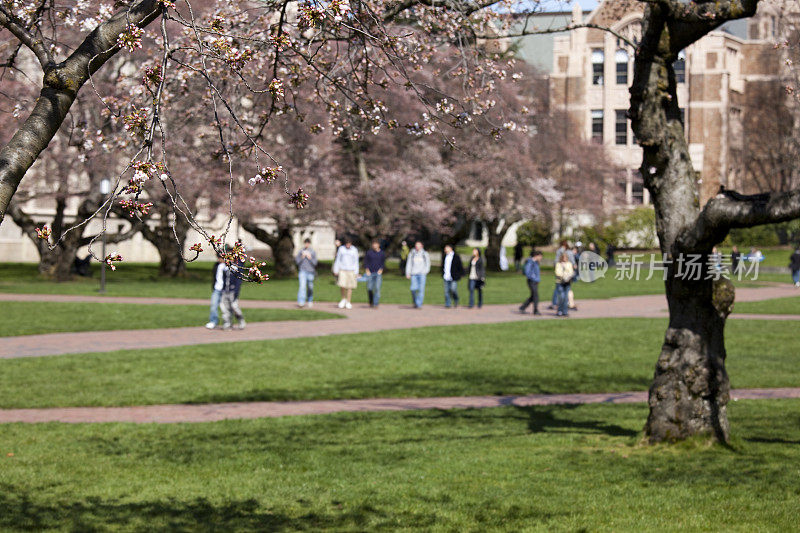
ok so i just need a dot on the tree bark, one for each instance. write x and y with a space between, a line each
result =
690 389
60 86
494 244
281 243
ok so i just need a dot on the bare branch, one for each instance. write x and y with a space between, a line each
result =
12 24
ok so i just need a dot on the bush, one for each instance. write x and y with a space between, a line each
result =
534 233
757 236
632 229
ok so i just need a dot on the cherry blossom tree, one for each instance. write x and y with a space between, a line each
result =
345 50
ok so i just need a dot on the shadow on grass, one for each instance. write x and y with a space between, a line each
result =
422 385
21 512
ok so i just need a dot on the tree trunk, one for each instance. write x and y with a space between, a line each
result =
283 254
494 245
281 243
170 256
690 389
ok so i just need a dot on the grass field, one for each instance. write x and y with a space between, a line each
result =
29 318
141 280
778 306
593 355
508 469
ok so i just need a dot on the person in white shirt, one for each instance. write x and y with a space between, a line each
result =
218 275
346 268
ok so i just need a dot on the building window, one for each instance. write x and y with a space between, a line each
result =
621 131
683 115
679 66
597 126
622 67
598 59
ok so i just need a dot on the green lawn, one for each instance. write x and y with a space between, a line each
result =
28 318
778 306
509 469
593 355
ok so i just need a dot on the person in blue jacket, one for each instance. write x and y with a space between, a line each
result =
533 275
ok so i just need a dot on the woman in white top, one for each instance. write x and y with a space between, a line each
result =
346 268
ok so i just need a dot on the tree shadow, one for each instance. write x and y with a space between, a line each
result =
18 511
545 419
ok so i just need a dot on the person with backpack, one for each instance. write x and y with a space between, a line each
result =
532 271
418 265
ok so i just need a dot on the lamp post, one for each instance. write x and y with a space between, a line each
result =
105 188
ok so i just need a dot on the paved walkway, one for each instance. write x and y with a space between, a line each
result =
359 319
171 414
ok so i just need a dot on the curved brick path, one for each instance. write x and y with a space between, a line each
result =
359 319
171 414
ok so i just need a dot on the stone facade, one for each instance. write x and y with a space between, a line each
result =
591 70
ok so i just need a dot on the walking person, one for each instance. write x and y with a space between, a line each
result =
229 302
452 271
345 267
532 271
518 256
477 278
218 283
736 259
306 260
794 266
374 263
418 265
564 272
404 251
563 248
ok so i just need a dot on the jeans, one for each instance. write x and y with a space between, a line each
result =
474 285
306 291
533 286
563 298
230 305
216 296
374 282
418 289
555 295
450 291
796 276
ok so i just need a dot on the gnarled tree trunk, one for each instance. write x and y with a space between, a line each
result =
281 243
494 244
690 389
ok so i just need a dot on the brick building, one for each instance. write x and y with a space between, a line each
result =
590 71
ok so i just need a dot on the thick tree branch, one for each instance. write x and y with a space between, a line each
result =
60 87
730 210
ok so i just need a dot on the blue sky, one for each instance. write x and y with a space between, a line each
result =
556 5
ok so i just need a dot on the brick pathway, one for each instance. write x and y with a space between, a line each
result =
359 319
171 414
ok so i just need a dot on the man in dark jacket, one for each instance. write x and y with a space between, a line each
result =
374 264
533 275
452 271
230 296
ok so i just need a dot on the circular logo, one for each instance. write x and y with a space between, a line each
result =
591 267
